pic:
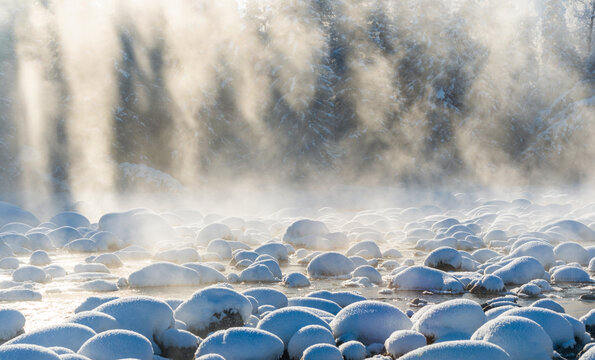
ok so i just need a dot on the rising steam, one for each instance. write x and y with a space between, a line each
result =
97 95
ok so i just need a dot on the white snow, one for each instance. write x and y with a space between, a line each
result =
207 274
521 338
247 344
117 344
306 337
570 274
401 342
321 304
267 296
549 304
540 250
459 317
277 250
369 272
353 350
296 280
213 231
163 274
572 252
367 249
40 258
84 268
555 325
457 350
12 323
369 321
330 265
287 321
70 336
343 298
207 306
21 352
322 352
178 256
444 257
30 273
521 270
425 278
111 261
96 320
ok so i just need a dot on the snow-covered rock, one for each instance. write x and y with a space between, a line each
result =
572 252
214 308
70 336
117 344
343 298
367 249
96 320
520 337
322 352
12 323
306 337
330 265
487 284
111 261
369 321
425 278
40 258
456 350
213 231
21 352
555 325
401 342
277 250
521 270
539 250
30 273
268 296
454 318
295 280
444 258
315 303
163 274
570 274
178 256
285 322
246 344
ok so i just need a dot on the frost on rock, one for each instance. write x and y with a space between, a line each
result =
117 344
213 309
330 265
520 337
457 350
163 274
242 344
454 318
425 278
369 321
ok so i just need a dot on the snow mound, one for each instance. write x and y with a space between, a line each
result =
29 352
81 246
330 265
96 320
40 258
213 231
30 273
9 263
268 296
142 314
207 274
257 273
99 285
549 304
321 304
70 336
303 233
306 337
369 321
353 350
369 272
521 270
214 308
343 298
322 352
540 250
572 252
93 302
12 323
450 318
111 261
425 278
401 342
487 284
367 249
276 250
555 325
285 322
10 213
521 338
84 268
163 274
247 344
570 274
457 350
117 344
19 295
483 255
296 280
444 258
70 218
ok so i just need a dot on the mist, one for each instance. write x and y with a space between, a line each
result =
179 97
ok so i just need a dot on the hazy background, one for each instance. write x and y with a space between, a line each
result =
236 97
